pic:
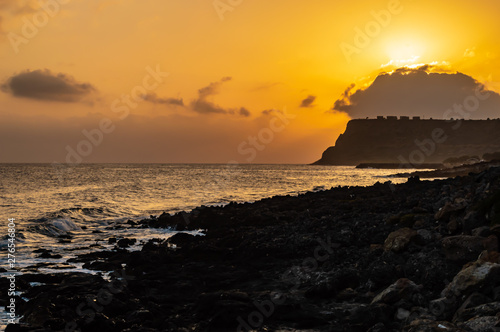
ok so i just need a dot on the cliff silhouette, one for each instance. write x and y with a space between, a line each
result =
412 141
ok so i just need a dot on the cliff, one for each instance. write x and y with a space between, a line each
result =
412 142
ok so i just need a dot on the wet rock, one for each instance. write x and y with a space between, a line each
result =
462 248
179 221
476 277
401 289
182 239
123 243
399 240
49 256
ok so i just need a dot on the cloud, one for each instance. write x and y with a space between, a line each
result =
203 106
244 112
470 52
266 86
45 86
153 98
422 91
308 102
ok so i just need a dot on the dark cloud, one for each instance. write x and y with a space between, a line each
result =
212 89
420 92
308 102
153 98
244 112
46 86
204 106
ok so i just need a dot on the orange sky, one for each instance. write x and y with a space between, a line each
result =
228 61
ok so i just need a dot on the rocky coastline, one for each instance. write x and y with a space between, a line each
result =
419 256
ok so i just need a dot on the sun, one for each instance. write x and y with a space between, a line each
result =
404 53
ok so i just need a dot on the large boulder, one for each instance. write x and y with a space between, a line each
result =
477 277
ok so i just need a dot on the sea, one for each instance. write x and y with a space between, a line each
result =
75 210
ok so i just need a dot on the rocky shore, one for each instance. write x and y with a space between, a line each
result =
420 256
462 170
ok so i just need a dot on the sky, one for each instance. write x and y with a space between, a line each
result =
232 81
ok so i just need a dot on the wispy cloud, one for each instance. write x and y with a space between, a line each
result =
204 106
153 98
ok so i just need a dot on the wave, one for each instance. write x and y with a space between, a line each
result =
74 219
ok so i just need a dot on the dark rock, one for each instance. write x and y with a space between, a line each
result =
401 289
444 307
491 243
474 300
482 324
496 230
453 226
182 239
462 248
475 277
447 211
50 256
399 240
424 237
483 231
427 325
123 243
488 309
471 221
20 328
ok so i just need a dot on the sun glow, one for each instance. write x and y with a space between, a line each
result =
403 53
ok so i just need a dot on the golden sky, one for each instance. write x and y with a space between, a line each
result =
238 73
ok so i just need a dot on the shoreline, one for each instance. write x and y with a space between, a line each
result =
376 258
462 170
